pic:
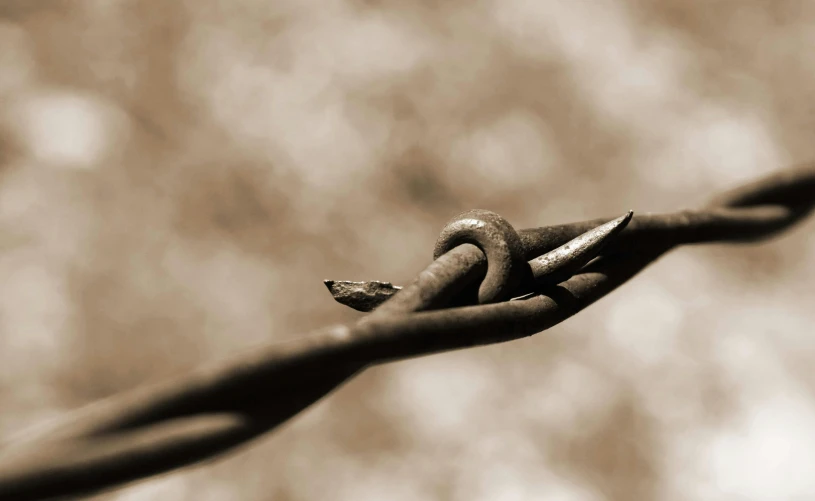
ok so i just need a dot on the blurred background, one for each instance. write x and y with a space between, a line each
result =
177 178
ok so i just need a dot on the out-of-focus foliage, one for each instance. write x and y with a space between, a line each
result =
178 177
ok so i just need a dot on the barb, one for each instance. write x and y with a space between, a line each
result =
560 264
165 426
549 269
362 296
646 234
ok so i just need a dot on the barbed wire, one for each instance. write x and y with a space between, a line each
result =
526 282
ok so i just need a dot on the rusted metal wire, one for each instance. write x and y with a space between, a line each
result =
165 426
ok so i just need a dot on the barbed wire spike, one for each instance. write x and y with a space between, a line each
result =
552 268
560 264
361 296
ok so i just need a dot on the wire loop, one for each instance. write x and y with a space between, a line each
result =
507 267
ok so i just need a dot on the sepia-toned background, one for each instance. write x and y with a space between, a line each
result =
178 177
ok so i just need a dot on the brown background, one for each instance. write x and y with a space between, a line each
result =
178 177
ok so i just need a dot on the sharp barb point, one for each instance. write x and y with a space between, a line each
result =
560 264
361 296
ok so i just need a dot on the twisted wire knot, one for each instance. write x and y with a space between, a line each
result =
507 267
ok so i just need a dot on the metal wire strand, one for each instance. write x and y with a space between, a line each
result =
780 199
164 427
168 425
